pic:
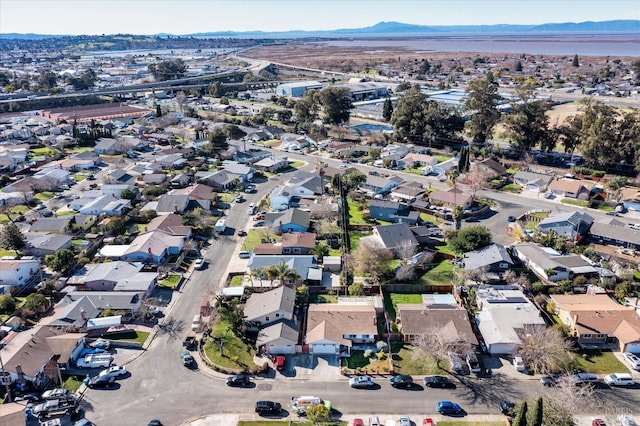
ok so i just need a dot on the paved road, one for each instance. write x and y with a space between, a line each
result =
160 387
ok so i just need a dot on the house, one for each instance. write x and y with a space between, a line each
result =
83 222
570 188
179 181
122 176
597 320
408 192
392 212
573 225
77 308
531 181
242 172
414 160
439 314
279 338
451 197
114 276
17 272
490 166
394 152
550 265
171 161
631 199
153 247
41 244
169 223
54 225
391 237
105 204
172 203
200 195
116 190
293 142
251 156
105 146
272 164
221 180
614 233
332 329
503 313
291 243
375 185
305 266
266 308
304 184
491 261
291 220
297 89
440 168
280 197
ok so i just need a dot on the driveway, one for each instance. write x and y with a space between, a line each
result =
312 367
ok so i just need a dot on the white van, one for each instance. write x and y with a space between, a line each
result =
95 361
374 421
196 323
518 363
619 379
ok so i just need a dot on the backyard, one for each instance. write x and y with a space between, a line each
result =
171 281
391 301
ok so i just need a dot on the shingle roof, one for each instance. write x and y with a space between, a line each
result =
395 235
332 321
286 330
29 349
618 233
486 256
417 319
278 299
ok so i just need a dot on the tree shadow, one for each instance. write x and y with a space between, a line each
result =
171 328
490 391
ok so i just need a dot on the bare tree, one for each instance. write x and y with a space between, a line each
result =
544 350
324 227
437 342
476 180
566 400
372 259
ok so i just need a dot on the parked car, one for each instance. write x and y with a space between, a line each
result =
101 381
242 233
100 344
626 420
404 421
549 381
244 254
187 359
258 223
401 381
448 407
114 371
239 199
199 263
361 382
280 362
619 379
507 408
20 218
518 363
56 393
438 382
511 219
268 407
632 360
239 380
154 422
583 378
598 422
358 422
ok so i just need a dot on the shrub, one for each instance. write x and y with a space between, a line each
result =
368 353
597 173
382 346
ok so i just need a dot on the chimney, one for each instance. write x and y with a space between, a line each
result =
83 314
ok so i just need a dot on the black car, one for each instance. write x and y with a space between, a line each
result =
550 381
507 408
238 380
101 381
155 422
268 407
438 382
401 381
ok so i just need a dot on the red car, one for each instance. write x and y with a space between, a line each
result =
358 422
598 422
242 232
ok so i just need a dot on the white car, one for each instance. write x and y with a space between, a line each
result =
404 421
199 263
100 344
360 382
632 359
114 370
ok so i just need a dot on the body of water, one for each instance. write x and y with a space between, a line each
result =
613 45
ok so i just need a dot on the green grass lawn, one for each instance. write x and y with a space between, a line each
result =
391 301
226 197
440 275
78 177
405 363
288 423
235 353
426 217
43 152
80 149
296 164
72 383
574 202
373 364
606 208
512 187
322 298
132 336
4 252
600 362
171 281
636 275
355 215
236 281
254 236
13 213
44 195
444 248
272 143
442 158
354 238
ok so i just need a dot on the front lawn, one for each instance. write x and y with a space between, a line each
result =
235 353
357 361
44 195
236 281
254 236
14 212
404 361
296 164
574 202
599 362
512 187
171 281
4 252
131 336
72 383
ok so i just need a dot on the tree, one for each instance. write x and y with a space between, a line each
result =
217 142
235 132
224 100
387 109
306 109
371 259
11 238
536 415
129 194
35 302
624 289
336 104
60 261
468 239
464 161
408 115
158 111
168 70
441 122
47 80
437 343
356 289
518 67
528 124
233 314
320 251
544 350
302 294
317 413
575 62
521 416
482 105
351 180
7 304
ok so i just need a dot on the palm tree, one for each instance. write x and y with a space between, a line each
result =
271 273
320 251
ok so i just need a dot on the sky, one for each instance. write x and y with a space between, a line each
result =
193 16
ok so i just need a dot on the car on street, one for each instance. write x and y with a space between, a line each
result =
252 209
244 254
268 407
258 223
401 381
155 422
598 422
114 371
91 177
626 420
438 382
242 233
258 217
199 263
619 379
239 199
448 407
250 188
100 344
358 422
101 381
361 382
550 381
507 408
187 359
612 213
511 218
238 380
404 421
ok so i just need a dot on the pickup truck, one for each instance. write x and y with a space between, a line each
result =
53 407
190 343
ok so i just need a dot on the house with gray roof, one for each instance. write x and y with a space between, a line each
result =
279 338
272 164
291 220
56 225
408 192
105 204
392 212
242 172
531 181
393 237
280 197
172 203
41 244
251 156
305 265
550 265
492 261
114 276
305 184
222 179
614 233
105 146
375 185
269 307
573 225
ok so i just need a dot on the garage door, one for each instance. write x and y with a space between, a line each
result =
281 349
633 347
321 348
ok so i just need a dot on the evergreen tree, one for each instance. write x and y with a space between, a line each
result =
482 105
521 418
464 160
535 417
11 238
218 142
387 109
518 66
575 62
158 111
